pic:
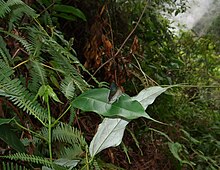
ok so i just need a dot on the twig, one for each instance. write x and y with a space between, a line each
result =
122 45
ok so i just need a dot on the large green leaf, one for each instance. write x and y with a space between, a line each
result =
95 100
109 134
9 137
127 108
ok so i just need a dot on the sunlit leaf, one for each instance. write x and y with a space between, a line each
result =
109 134
147 96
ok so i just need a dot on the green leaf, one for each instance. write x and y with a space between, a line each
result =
127 108
147 96
45 91
176 149
9 137
95 100
109 134
52 94
66 16
70 10
5 121
68 88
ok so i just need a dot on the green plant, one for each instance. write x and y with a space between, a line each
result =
53 69
42 87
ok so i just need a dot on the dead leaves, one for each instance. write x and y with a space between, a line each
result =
99 52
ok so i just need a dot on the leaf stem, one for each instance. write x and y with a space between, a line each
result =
23 62
22 127
49 130
56 121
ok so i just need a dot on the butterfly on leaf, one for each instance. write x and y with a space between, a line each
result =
115 93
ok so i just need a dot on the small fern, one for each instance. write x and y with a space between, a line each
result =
28 46
73 152
68 88
4 53
15 9
66 133
12 89
38 76
29 158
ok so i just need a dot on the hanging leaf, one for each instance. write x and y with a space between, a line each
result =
95 100
109 134
147 96
70 10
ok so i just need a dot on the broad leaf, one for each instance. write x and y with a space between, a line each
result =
109 134
95 100
147 96
127 108
9 137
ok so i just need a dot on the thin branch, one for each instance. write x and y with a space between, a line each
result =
122 45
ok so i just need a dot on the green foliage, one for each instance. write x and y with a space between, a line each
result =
44 54
72 11
67 134
50 12
8 136
14 10
96 101
13 89
37 61
29 158
12 166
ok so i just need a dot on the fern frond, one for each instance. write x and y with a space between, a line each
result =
96 165
69 70
66 61
29 158
28 46
12 5
12 89
68 88
4 8
12 166
73 152
66 133
4 53
38 76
